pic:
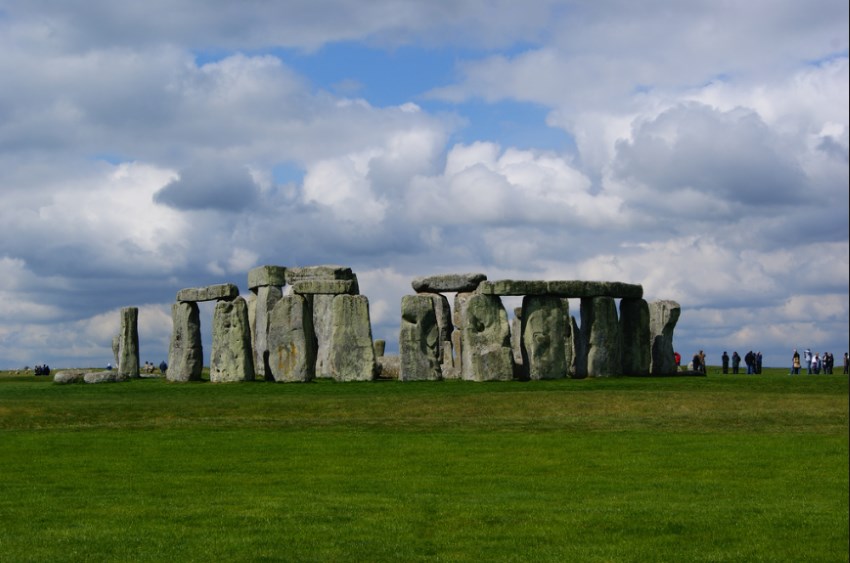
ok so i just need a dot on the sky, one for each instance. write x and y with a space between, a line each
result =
697 148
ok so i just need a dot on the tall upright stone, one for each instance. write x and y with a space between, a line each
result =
545 337
291 340
352 354
663 316
516 336
322 307
128 343
185 353
116 346
578 362
232 357
485 338
635 337
601 335
418 342
266 298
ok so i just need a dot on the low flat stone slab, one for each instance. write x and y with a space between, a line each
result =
325 287
447 283
330 272
109 376
209 293
562 288
69 376
267 275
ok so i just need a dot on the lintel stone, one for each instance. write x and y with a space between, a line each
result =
448 283
562 288
294 275
325 287
226 291
267 275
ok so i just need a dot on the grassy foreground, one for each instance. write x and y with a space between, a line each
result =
718 468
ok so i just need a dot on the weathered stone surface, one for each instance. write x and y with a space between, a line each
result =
451 369
352 357
232 358
388 367
380 346
209 293
545 337
329 272
485 338
322 306
561 288
65 377
634 336
448 283
266 275
516 336
128 342
513 287
663 316
601 335
418 342
325 287
185 352
445 328
578 363
110 376
266 298
116 346
291 340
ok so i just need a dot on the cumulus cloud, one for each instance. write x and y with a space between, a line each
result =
210 186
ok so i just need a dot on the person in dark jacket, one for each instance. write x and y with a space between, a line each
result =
724 360
736 361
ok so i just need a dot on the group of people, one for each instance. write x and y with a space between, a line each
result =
815 363
752 360
42 369
150 368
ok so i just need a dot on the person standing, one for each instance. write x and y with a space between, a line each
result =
846 363
807 357
795 363
815 364
736 361
750 360
724 360
758 361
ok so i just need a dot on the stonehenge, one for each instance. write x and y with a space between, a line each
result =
542 341
305 323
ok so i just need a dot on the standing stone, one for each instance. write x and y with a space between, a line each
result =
291 340
516 336
578 362
128 343
352 356
380 346
322 306
445 328
601 334
663 316
232 358
418 342
485 338
545 337
266 297
116 346
185 353
634 336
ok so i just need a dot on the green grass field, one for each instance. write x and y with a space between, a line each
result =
717 468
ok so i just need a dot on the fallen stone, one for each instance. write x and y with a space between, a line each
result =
65 377
110 376
225 291
262 276
448 283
